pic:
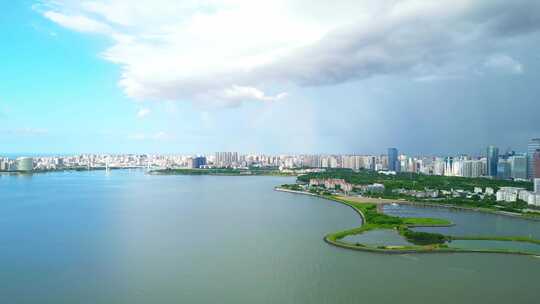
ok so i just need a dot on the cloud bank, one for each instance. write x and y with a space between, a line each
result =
228 52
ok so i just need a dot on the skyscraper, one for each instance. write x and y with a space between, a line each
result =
393 159
534 144
536 164
518 166
25 164
503 169
492 160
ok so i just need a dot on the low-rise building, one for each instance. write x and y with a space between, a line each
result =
510 194
332 183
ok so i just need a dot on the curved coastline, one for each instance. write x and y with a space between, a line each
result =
335 237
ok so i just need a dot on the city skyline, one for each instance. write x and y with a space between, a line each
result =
493 165
112 78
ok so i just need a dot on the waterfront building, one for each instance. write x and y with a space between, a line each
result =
518 166
197 162
332 183
226 159
25 164
4 164
492 160
509 194
534 199
393 164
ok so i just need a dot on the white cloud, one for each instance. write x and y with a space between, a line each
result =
78 23
504 63
240 93
142 113
226 52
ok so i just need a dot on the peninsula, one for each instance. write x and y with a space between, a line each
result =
421 242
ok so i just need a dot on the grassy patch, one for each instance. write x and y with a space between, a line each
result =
424 221
422 238
523 239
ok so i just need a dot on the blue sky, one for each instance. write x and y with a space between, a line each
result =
282 77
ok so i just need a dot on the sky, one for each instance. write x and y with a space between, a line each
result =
296 76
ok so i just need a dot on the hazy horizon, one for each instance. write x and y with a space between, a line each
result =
434 78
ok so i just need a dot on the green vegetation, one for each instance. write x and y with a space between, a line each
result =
424 221
222 171
423 238
294 187
422 241
414 181
421 182
522 239
376 220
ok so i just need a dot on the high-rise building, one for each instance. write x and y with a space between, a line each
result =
534 144
226 159
537 185
492 160
393 164
438 166
518 166
503 169
536 164
25 164
198 162
478 168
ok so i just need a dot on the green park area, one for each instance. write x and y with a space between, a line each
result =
395 185
421 242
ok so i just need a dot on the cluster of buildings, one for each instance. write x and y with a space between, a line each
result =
331 183
24 164
512 194
493 165
455 193
342 185
510 165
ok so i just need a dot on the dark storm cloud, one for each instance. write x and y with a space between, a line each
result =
419 43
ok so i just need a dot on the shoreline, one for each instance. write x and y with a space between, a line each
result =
385 201
77 169
425 249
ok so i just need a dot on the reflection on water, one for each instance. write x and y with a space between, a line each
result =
378 238
501 245
469 223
